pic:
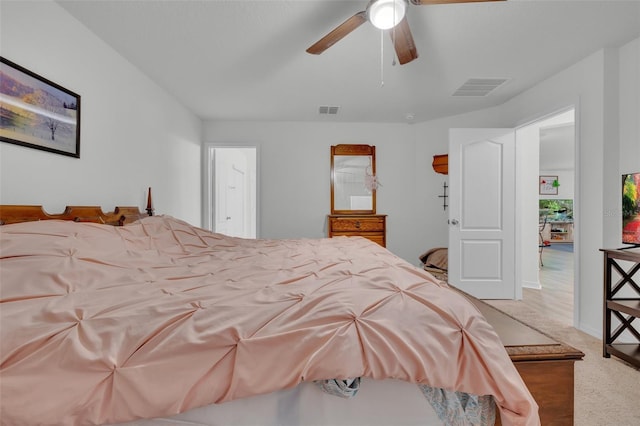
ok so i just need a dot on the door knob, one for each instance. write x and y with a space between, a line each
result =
454 221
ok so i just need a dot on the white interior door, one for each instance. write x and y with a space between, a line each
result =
221 184
235 200
482 212
233 191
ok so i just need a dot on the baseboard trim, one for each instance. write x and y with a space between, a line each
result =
531 284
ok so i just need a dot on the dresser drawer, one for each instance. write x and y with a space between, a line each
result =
357 224
376 238
372 227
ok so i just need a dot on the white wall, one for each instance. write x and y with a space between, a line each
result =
294 176
629 117
527 162
630 107
133 134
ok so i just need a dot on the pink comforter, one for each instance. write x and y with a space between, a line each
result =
107 324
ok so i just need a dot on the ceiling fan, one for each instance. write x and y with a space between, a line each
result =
383 14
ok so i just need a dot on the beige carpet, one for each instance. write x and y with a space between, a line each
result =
607 390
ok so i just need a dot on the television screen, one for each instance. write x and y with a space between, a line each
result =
631 208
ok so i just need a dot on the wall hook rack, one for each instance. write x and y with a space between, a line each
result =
444 196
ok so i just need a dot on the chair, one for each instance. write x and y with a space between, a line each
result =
541 243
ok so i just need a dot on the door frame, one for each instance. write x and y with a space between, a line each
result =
576 200
577 227
208 174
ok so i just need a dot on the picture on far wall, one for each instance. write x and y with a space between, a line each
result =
37 113
548 185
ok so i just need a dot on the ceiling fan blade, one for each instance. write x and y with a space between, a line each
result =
403 42
425 2
338 33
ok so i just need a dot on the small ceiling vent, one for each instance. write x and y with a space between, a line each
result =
479 86
328 110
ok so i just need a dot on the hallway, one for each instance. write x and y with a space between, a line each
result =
555 300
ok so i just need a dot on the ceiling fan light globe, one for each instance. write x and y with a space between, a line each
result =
385 14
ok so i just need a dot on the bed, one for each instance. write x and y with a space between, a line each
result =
545 364
126 318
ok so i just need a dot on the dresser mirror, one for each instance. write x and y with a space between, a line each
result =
353 181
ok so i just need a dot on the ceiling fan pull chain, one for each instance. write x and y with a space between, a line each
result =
393 61
393 55
381 58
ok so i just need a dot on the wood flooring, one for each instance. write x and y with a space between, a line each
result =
555 299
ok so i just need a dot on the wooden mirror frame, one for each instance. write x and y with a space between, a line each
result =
352 150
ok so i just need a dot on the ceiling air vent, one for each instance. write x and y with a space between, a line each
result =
328 110
479 86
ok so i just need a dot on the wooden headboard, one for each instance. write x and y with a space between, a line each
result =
118 217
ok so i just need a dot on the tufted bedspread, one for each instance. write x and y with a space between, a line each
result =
105 324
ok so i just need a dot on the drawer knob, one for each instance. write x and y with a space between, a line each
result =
358 224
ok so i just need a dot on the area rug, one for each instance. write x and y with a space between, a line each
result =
567 247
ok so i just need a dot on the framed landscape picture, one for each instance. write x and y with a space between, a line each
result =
38 113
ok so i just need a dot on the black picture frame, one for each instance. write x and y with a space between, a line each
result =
36 112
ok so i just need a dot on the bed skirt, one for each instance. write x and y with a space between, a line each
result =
378 403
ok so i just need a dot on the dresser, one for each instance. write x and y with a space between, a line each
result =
620 308
371 226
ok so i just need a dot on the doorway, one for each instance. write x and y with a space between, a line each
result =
554 291
231 191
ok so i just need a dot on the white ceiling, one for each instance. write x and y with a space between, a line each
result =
246 60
